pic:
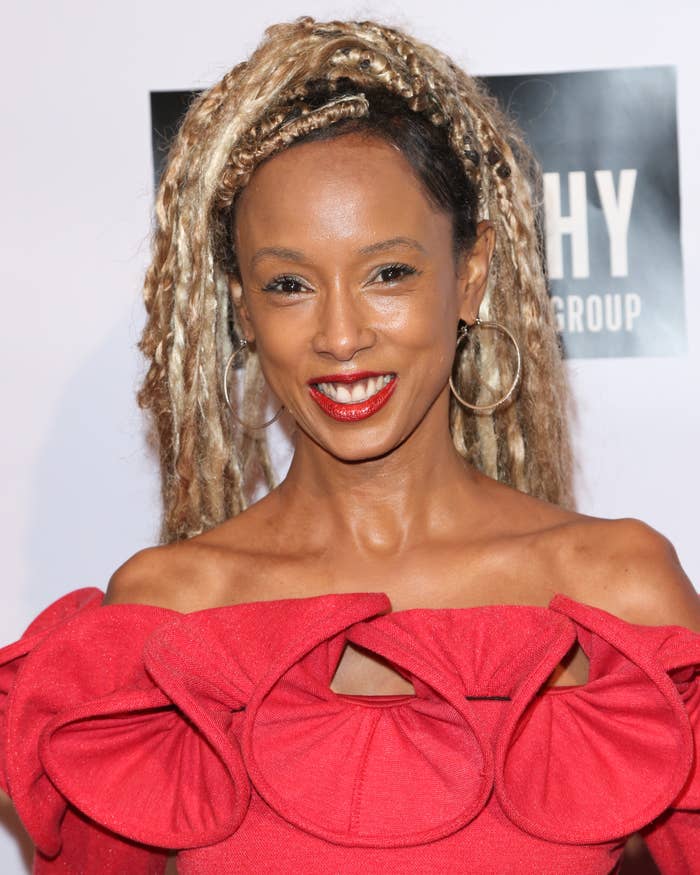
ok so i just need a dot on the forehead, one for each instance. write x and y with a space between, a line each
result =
351 188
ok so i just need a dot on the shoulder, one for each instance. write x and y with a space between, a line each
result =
628 568
185 576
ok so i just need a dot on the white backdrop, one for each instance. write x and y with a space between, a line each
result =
79 492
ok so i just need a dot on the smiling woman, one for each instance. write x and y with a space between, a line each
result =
411 655
425 167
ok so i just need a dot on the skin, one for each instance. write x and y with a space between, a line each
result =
386 504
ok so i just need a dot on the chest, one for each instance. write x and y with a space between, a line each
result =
446 578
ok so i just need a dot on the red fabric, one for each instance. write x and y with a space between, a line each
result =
129 730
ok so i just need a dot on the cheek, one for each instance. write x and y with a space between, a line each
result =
427 330
280 348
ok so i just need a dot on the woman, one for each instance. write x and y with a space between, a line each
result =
413 655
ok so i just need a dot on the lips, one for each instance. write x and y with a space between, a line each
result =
334 393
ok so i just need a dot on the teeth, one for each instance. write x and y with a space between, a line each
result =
357 391
354 393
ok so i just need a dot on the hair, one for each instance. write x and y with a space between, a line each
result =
472 162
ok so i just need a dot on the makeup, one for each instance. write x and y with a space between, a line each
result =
352 397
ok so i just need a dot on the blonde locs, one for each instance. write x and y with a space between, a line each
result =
209 467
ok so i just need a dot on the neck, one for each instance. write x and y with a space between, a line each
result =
380 506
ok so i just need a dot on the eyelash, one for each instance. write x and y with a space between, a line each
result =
406 270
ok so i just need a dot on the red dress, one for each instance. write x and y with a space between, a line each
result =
130 729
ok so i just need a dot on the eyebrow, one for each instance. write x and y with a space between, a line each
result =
297 255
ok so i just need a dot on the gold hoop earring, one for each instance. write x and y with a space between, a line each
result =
243 344
462 333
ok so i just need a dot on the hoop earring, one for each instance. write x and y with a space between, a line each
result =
242 344
462 334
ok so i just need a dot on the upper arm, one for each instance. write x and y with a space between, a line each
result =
643 577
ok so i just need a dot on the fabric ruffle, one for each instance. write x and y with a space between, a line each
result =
155 724
12 656
597 762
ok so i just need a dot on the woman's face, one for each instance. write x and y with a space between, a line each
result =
351 293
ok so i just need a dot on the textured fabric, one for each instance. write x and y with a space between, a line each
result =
129 731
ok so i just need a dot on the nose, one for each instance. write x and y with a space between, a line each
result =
343 328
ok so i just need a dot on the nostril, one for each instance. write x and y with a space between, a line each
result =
343 342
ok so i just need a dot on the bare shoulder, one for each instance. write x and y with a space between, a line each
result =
628 568
186 576
213 569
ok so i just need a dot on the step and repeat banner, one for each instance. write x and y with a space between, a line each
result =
94 93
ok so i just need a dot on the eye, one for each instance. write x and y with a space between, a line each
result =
286 281
396 272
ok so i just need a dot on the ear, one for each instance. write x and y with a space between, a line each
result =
241 308
474 271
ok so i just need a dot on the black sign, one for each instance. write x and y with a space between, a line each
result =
607 144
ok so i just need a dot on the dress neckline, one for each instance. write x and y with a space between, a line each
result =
556 598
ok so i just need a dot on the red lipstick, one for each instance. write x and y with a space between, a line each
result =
351 412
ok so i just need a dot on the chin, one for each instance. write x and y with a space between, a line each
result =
360 449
